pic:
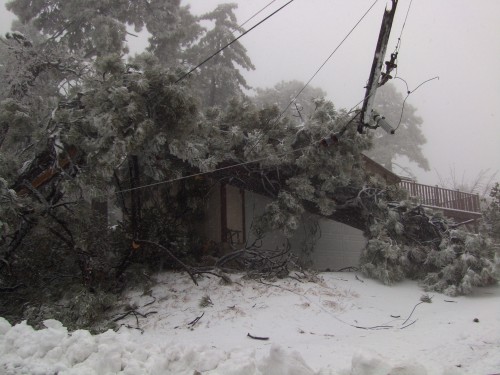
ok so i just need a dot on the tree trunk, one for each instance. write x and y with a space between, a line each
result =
135 196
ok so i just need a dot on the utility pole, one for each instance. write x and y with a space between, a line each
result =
369 117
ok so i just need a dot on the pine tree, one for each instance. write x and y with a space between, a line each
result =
174 32
219 79
93 27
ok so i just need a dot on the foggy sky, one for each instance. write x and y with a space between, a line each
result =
457 40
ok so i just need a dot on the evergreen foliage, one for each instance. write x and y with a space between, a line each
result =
408 241
219 80
492 214
91 28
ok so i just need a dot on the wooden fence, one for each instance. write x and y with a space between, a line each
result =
435 196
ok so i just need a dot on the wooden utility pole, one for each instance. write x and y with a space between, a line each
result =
370 118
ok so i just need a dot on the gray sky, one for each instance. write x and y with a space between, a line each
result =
456 40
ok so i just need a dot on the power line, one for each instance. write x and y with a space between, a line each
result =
231 42
408 93
208 172
317 71
257 13
398 45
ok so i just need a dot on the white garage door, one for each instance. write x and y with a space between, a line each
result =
337 245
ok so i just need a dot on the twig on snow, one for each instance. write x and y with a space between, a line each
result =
257 337
150 303
374 327
406 326
406 321
348 269
135 313
187 268
196 320
357 278
130 327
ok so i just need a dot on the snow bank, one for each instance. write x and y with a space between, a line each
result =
55 350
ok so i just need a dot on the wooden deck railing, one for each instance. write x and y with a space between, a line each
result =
435 196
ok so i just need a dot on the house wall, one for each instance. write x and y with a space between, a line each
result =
319 243
255 205
335 245
224 209
235 215
339 246
211 228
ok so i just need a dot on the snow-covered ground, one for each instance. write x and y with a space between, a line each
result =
343 324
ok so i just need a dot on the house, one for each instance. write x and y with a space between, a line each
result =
319 242
237 199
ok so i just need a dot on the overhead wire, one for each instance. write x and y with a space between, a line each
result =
257 13
400 38
398 44
408 93
207 172
232 42
328 58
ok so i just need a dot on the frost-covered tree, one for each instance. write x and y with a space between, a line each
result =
220 79
174 31
492 214
283 95
92 27
408 140
97 28
409 241
61 149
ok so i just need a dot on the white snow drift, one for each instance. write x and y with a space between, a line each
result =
341 325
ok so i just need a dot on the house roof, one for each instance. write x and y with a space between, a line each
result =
372 167
269 182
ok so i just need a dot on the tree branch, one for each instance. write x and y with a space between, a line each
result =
187 268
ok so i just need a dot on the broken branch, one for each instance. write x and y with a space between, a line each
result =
196 320
257 337
187 268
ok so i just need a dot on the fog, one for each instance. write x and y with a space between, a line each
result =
456 40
